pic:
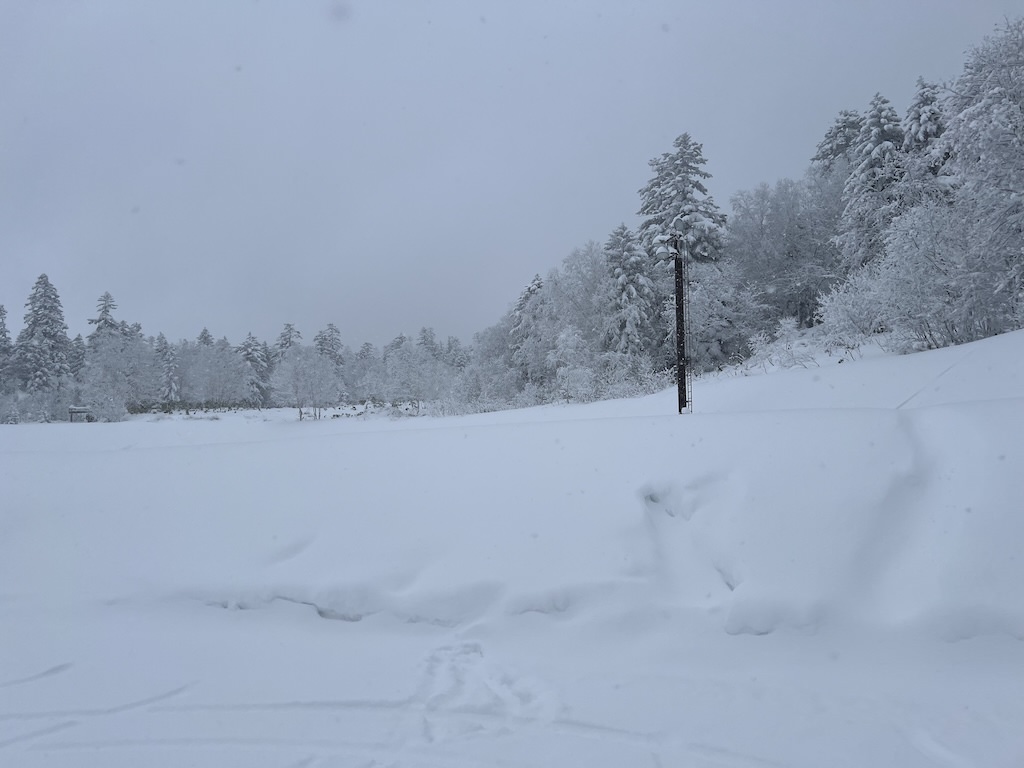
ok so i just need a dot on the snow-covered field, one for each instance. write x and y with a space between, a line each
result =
820 567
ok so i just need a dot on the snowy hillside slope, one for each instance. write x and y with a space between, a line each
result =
820 566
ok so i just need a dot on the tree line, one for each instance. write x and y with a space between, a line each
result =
908 231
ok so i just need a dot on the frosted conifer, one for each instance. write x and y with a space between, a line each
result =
41 351
676 202
327 343
633 292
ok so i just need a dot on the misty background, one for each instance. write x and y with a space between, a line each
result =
389 165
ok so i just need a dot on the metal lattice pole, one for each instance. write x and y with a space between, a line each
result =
683 376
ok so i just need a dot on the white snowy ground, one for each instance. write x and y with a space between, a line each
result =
819 568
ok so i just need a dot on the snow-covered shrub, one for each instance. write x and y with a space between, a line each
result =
785 348
852 311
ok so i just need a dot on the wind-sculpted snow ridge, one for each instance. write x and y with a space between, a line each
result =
819 565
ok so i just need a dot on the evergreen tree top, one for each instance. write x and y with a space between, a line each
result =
44 316
881 134
288 337
675 202
839 141
924 121
104 321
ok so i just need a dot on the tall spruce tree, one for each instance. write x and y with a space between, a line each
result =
205 338
633 292
41 350
676 202
289 337
924 122
76 357
838 147
257 370
327 343
104 320
527 344
170 380
867 195
920 165
121 373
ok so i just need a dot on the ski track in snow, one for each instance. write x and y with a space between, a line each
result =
55 670
460 698
99 712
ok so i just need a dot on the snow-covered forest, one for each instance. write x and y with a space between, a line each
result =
906 230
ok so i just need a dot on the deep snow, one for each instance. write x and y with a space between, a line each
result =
819 567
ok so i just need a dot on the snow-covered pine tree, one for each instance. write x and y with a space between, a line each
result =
327 342
676 202
824 182
41 351
121 372
837 149
104 320
426 340
288 337
170 382
924 122
918 179
519 311
633 298
826 179
105 386
205 338
257 370
881 135
527 344
868 204
455 354
76 356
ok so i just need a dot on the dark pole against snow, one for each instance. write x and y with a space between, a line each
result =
677 247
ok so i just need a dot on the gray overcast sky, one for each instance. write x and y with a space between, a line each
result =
388 164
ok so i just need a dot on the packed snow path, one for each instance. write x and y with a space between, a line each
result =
819 567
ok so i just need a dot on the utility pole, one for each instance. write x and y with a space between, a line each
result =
678 245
